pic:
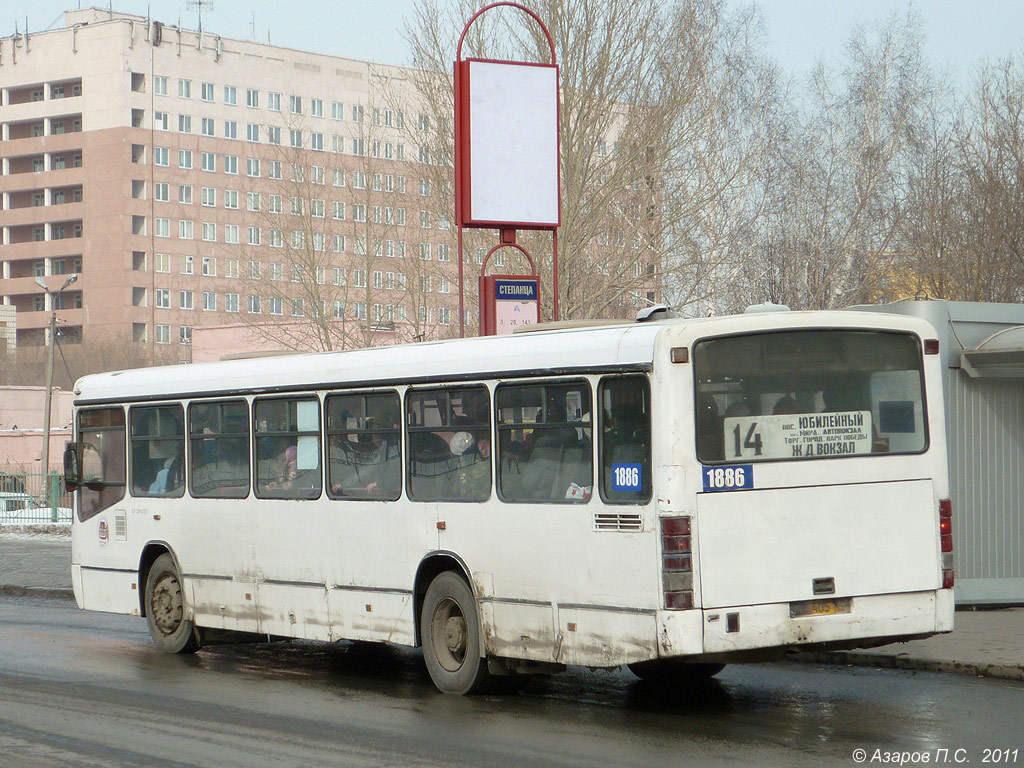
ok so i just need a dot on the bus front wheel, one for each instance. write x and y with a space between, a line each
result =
450 636
165 609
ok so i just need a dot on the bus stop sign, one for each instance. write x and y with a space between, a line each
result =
508 302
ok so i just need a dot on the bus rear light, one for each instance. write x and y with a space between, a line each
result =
947 578
677 563
931 346
946 524
679 601
675 526
679 544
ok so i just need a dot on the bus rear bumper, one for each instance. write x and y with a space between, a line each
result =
756 632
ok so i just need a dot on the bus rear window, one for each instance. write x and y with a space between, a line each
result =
799 395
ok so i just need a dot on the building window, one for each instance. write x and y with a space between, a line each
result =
185 194
338 177
209 301
230 129
207 126
209 233
339 243
184 123
425 251
162 262
185 334
252 201
231 302
443 252
162 298
160 121
185 300
231 268
254 235
252 167
187 265
185 158
209 196
337 110
231 234
295 105
231 164
339 210
209 266
185 229
295 137
160 85
274 169
316 107
357 113
274 306
358 147
274 101
274 203
230 94
162 227
161 192
274 134
252 132
337 143
254 305
163 334
206 92
252 98
316 141
231 199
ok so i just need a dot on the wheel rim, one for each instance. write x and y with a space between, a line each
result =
165 605
449 636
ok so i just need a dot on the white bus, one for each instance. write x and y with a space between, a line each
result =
670 495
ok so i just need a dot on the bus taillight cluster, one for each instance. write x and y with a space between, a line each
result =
677 563
946 539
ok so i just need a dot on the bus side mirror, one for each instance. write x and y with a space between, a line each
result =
71 477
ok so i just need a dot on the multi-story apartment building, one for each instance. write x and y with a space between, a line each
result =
194 180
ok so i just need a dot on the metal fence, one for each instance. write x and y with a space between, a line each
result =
31 498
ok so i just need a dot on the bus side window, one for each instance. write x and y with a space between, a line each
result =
158 451
449 434
219 449
544 442
288 448
364 446
101 451
625 439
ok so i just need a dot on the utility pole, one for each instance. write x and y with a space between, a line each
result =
51 342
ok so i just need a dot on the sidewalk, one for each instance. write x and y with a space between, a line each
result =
985 643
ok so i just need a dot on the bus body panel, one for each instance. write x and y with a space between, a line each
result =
770 546
766 626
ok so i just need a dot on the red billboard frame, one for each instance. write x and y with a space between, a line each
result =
462 157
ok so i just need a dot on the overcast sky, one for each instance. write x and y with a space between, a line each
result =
959 32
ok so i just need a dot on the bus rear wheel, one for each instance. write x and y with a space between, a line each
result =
450 636
165 609
674 671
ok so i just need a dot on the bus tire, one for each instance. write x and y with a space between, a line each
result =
673 671
450 636
165 609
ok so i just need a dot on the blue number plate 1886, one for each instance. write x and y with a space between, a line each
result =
735 477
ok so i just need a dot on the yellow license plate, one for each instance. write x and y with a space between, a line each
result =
828 607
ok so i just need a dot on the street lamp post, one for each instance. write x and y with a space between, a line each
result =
49 381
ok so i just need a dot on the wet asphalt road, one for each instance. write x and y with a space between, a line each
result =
88 689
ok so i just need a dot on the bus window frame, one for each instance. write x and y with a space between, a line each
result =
649 460
303 396
328 432
408 430
584 380
124 447
248 436
133 408
831 328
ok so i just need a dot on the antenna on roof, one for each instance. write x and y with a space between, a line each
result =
198 5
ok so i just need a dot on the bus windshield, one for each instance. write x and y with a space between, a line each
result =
797 395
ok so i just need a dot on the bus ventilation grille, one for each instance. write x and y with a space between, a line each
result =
120 526
618 522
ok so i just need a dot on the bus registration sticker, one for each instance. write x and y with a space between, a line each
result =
798 436
627 477
738 477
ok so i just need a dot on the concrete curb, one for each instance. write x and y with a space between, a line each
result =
12 590
974 669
